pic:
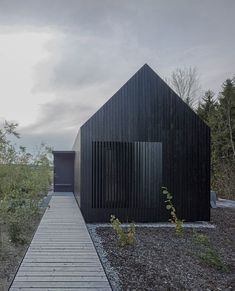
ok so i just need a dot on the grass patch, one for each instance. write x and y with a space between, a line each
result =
207 253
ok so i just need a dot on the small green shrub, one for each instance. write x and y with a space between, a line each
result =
14 231
211 258
207 253
17 216
116 224
174 219
201 239
124 238
131 234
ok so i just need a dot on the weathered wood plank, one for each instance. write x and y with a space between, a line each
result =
62 289
60 260
69 248
65 269
60 273
66 285
65 253
60 279
61 264
60 255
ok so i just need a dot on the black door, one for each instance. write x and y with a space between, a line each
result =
63 171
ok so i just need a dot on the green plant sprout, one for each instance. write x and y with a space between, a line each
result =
174 219
124 238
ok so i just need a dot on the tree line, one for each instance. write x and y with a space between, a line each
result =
218 112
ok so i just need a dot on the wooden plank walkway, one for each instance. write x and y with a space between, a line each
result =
61 255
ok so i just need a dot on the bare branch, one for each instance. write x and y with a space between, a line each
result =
185 82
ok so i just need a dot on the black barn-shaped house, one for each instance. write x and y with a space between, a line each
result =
142 138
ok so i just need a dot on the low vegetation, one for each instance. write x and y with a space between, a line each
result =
124 237
24 180
207 253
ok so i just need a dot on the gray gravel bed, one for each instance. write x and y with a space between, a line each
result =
109 270
160 260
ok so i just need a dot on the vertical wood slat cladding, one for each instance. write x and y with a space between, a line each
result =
146 110
122 167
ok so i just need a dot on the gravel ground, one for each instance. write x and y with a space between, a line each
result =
160 260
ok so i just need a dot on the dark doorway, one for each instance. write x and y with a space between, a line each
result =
63 171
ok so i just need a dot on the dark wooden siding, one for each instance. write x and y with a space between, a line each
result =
77 168
145 109
126 174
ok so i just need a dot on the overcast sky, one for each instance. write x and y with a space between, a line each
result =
61 60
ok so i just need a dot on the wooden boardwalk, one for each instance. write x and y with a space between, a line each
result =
61 255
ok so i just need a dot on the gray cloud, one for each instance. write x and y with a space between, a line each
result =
145 18
98 45
55 114
57 124
77 61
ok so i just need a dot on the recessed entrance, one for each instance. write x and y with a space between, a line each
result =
63 171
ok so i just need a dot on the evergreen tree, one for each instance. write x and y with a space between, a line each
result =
227 119
223 177
207 106
220 117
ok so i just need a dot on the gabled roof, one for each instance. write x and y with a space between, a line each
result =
146 74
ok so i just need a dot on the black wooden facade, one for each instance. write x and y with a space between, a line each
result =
142 138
